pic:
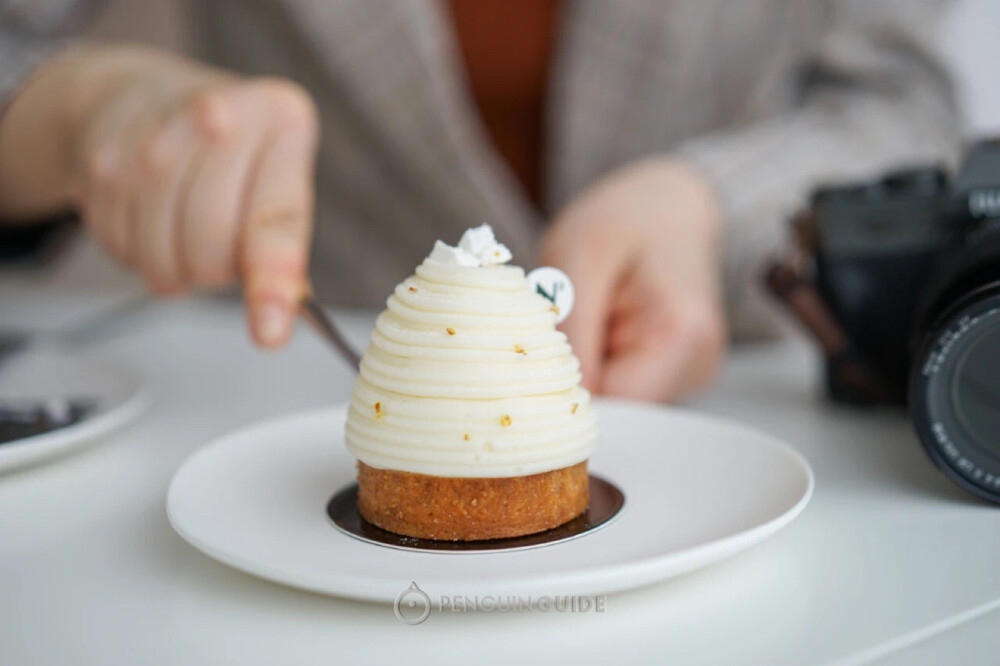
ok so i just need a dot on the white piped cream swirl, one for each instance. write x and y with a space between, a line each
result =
467 376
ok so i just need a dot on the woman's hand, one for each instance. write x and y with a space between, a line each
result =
192 176
196 178
641 248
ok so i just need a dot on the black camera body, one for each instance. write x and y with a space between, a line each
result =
902 287
876 244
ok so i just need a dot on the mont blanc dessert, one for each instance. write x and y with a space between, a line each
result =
467 418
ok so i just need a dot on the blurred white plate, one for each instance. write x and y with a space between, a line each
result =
697 490
48 372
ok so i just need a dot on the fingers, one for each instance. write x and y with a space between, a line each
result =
277 223
105 211
203 187
655 373
167 159
594 262
95 200
217 186
109 177
663 354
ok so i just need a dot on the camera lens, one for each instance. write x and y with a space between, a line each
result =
976 391
955 392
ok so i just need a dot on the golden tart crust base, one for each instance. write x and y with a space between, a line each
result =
471 509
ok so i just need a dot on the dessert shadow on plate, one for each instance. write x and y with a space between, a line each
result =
606 501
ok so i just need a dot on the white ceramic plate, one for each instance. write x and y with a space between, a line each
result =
41 373
697 490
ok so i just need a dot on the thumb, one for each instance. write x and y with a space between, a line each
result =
594 263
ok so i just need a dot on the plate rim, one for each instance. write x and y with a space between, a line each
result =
638 572
40 448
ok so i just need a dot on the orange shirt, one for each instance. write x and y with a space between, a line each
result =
506 46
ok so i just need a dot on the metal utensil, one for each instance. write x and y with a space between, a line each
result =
318 318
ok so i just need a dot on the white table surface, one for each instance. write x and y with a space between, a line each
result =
889 564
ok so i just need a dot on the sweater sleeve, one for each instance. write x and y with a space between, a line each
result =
31 31
873 95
